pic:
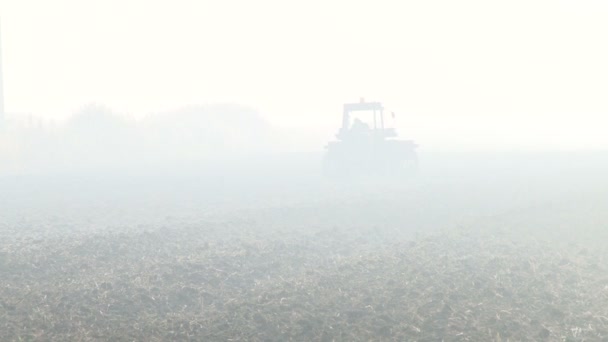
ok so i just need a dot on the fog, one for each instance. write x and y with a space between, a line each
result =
529 74
328 171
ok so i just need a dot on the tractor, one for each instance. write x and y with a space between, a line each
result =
362 149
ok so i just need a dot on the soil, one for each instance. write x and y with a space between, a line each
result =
247 277
484 261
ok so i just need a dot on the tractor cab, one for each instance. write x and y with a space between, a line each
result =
357 128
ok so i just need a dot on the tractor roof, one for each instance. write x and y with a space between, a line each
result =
361 106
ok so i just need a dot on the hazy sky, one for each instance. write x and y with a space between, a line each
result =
502 73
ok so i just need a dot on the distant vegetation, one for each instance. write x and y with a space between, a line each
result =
96 136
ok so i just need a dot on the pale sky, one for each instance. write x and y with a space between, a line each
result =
521 73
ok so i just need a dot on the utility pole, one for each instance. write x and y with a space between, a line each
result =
2 117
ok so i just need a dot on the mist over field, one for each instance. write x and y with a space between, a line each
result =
320 171
261 246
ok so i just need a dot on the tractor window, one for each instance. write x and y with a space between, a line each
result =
363 120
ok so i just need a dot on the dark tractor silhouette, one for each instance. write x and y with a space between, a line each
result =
364 150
